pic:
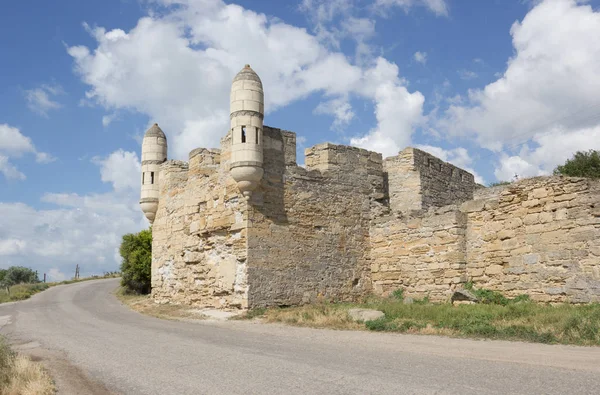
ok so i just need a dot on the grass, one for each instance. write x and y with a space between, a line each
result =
21 292
21 376
145 305
517 319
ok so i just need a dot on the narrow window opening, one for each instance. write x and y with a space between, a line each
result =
151 177
143 178
257 140
243 134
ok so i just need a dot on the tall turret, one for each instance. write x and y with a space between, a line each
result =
154 152
247 113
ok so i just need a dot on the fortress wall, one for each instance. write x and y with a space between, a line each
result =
423 254
205 263
309 231
418 180
167 229
539 236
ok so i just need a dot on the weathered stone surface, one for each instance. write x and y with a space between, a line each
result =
550 240
464 295
351 223
365 314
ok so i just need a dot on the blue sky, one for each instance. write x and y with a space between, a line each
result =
498 87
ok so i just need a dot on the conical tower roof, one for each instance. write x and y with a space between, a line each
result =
155 131
247 74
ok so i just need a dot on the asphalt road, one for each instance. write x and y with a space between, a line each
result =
94 345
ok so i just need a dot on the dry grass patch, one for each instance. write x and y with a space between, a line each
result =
21 292
517 320
21 376
334 316
145 305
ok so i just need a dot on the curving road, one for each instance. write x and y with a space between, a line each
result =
94 345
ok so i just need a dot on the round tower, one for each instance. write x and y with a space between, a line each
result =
154 152
247 113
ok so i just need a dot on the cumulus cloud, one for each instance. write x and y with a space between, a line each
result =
121 168
439 7
398 111
549 88
177 65
80 229
340 108
420 57
13 144
108 119
41 100
9 170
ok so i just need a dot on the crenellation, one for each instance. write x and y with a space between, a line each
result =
351 223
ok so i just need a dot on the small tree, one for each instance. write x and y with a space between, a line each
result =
17 275
136 251
582 164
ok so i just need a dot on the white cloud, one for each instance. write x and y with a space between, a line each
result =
551 149
457 156
340 108
40 100
108 119
439 7
11 246
467 74
82 229
177 67
9 170
420 57
398 112
121 168
55 274
13 144
550 87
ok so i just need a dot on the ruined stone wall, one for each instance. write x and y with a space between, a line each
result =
539 236
424 254
199 235
417 180
309 231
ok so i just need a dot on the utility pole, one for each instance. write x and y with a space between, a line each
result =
77 272
44 277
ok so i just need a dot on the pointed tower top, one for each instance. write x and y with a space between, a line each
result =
247 74
155 131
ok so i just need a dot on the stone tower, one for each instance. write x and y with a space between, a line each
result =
247 113
154 152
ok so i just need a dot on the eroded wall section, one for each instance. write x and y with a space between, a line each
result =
309 232
199 235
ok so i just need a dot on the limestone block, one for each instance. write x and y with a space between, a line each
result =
365 314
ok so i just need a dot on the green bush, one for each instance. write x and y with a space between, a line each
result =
136 251
582 164
398 294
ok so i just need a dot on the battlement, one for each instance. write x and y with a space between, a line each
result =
417 180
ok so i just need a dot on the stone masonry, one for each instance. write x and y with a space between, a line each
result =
244 226
349 223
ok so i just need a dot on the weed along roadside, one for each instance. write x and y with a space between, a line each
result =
24 291
20 375
493 317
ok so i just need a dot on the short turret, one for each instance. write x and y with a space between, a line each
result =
154 152
247 113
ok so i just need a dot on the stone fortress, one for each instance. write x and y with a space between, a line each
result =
244 226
